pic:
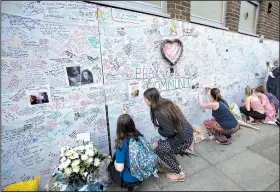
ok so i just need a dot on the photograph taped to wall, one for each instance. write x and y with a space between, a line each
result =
73 75
39 95
91 75
134 90
77 76
90 68
86 77
39 98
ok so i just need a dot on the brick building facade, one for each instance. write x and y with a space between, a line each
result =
267 23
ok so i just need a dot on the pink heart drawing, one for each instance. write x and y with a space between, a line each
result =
172 50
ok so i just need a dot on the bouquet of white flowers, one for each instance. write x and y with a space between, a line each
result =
79 166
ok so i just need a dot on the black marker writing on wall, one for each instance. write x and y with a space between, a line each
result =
195 86
147 73
170 84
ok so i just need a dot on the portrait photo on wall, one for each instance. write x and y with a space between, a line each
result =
86 77
39 98
73 75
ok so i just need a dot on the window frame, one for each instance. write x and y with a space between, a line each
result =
210 22
246 31
138 6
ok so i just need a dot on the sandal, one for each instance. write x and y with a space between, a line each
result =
191 148
180 177
259 122
221 138
227 142
251 122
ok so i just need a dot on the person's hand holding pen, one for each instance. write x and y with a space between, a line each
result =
124 110
201 91
267 64
207 89
200 95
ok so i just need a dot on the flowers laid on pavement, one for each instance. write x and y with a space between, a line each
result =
79 161
79 167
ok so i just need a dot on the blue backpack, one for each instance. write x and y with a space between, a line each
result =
142 158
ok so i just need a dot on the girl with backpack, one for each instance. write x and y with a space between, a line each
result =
172 125
125 170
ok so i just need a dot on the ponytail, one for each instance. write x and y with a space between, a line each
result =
216 94
218 97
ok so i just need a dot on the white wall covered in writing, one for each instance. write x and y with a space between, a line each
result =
39 41
130 50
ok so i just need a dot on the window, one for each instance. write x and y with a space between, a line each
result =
156 3
248 18
150 7
209 13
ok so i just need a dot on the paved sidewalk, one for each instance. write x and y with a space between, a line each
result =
251 162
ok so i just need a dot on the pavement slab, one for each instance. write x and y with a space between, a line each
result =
189 165
274 187
214 153
268 148
248 137
209 179
250 171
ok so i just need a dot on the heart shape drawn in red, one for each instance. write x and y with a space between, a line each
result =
172 50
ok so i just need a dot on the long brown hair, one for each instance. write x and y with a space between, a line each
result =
216 94
165 107
260 89
126 129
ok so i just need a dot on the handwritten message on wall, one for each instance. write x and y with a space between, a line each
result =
51 85
130 49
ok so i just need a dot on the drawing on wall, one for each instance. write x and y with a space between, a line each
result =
172 50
